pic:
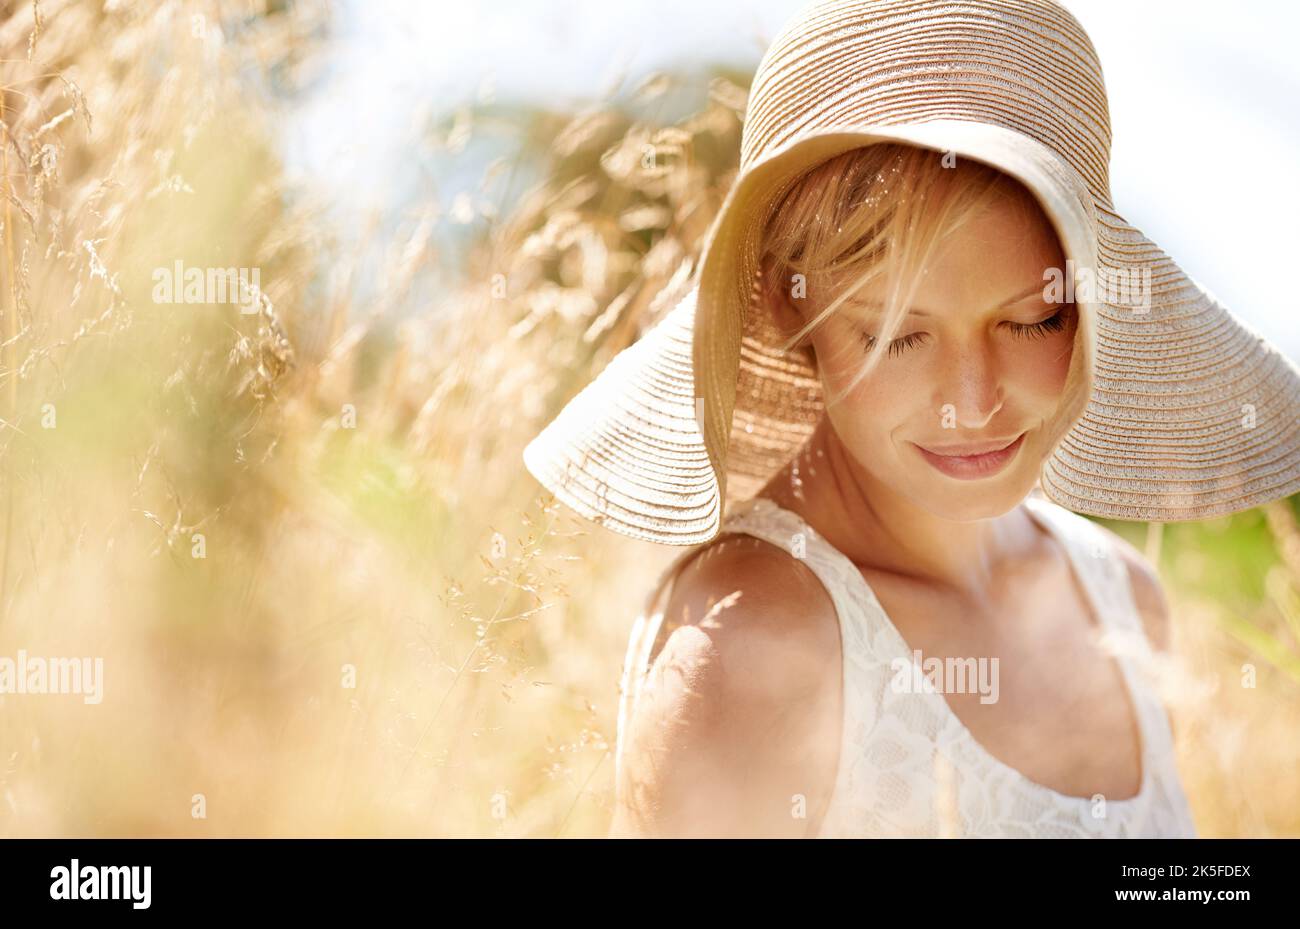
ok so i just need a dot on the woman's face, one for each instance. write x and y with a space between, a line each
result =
953 416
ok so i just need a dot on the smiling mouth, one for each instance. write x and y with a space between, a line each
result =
967 467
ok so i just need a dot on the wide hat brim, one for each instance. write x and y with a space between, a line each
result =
1173 410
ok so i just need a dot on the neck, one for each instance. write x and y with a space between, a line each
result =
881 530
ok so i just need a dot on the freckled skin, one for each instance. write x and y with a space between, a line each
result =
998 384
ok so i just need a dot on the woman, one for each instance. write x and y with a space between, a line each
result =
888 623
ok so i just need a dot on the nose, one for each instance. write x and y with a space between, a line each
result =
970 381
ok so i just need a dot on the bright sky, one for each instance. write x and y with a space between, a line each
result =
1202 94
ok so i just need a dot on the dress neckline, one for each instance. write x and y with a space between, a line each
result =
1039 511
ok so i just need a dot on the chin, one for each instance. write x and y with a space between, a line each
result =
967 501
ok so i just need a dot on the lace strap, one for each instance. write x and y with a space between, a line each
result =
854 600
762 519
1100 564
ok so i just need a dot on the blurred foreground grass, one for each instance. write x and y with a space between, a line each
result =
328 598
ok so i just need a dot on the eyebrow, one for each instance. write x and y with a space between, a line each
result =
918 311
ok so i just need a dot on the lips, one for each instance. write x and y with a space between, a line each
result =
972 461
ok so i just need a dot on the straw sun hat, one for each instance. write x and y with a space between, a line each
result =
1178 410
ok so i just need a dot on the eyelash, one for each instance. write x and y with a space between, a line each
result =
898 346
1038 330
1053 323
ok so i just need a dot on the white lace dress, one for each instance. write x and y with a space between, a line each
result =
908 766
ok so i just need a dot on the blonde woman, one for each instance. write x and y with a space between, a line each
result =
875 424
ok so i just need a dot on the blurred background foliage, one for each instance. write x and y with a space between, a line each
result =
247 514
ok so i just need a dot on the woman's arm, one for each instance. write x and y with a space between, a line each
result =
736 732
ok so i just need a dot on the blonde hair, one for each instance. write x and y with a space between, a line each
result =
878 212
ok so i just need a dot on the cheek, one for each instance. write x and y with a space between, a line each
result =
879 402
841 354
1041 367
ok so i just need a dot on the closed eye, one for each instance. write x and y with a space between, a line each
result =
1054 323
897 346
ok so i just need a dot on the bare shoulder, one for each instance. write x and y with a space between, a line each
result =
1148 592
748 607
734 718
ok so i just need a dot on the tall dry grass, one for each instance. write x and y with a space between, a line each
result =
389 631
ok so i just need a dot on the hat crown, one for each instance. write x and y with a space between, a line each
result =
1025 65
